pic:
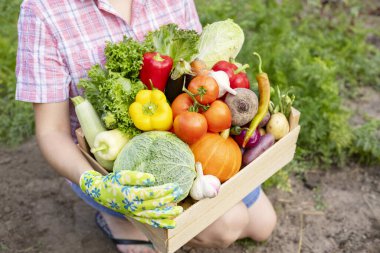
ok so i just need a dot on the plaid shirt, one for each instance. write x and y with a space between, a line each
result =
59 40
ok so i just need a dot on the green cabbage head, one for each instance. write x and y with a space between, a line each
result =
162 154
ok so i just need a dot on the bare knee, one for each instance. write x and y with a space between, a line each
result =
225 230
224 240
268 228
262 220
229 230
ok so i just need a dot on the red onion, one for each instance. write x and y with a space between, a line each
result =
252 141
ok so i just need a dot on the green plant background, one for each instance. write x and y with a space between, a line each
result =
321 58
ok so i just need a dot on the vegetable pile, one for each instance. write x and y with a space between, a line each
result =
178 106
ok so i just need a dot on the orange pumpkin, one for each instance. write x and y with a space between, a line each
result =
219 156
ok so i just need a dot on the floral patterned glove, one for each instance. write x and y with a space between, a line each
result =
132 194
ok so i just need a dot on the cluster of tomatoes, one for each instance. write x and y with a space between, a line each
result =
198 110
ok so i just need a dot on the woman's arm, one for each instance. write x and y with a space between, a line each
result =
54 139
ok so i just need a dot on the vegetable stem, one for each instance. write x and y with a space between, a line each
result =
100 148
242 68
236 130
225 133
158 57
196 103
151 85
260 62
77 100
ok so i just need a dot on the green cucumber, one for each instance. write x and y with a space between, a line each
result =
91 126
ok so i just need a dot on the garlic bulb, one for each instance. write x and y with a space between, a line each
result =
223 81
204 186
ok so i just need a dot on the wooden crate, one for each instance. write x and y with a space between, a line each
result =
201 214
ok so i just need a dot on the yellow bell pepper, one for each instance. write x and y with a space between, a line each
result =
151 111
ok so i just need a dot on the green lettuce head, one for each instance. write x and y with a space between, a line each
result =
220 40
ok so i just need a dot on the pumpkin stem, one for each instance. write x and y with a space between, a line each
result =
225 133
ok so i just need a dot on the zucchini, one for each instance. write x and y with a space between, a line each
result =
91 125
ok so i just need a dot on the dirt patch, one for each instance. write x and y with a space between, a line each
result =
39 213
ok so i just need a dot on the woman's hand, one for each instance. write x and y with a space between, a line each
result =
132 194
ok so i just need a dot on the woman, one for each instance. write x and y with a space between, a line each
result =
58 43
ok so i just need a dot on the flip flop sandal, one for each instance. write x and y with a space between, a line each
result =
102 224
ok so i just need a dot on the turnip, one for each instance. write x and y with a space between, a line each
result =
243 106
278 125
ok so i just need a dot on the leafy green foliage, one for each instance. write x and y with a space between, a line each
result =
111 94
126 57
281 101
366 146
16 117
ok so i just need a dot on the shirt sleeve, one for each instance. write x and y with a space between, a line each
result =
192 19
42 76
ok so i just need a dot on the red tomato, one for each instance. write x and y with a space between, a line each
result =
207 85
218 117
181 104
190 126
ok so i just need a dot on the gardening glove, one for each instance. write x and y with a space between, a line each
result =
132 194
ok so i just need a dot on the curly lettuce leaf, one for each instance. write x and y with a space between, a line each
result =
126 57
111 94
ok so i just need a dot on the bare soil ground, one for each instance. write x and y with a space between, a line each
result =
329 211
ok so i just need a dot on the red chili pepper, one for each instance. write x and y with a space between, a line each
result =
155 70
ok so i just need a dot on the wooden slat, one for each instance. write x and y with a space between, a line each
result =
94 164
81 140
294 118
158 236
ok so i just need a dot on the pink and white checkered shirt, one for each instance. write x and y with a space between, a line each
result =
59 40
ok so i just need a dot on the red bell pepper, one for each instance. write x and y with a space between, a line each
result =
225 66
238 79
156 70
